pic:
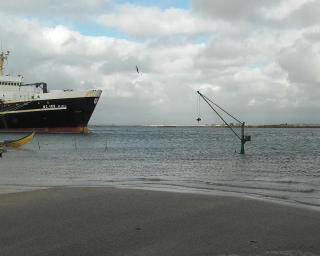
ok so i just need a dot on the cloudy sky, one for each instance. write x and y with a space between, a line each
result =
258 59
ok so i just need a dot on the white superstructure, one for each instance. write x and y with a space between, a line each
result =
12 89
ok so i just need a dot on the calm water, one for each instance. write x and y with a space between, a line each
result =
280 164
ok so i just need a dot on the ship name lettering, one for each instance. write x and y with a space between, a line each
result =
54 106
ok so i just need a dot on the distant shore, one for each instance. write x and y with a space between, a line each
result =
109 221
219 126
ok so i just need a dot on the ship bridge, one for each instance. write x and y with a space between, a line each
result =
13 89
11 80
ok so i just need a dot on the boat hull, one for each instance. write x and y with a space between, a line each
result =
19 142
66 115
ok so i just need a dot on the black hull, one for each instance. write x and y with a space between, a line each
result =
54 115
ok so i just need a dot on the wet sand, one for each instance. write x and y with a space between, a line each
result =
108 221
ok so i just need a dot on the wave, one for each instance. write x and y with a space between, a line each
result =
269 188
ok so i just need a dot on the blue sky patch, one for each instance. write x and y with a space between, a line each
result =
164 4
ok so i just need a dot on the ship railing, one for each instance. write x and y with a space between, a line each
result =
13 108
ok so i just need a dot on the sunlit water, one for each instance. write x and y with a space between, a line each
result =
279 164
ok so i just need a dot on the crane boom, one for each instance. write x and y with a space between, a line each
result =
243 139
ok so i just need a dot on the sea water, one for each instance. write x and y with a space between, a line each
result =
279 164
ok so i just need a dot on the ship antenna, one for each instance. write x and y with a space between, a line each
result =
3 57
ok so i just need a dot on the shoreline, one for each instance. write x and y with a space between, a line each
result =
12 189
112 221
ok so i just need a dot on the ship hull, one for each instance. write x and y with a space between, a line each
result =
66 115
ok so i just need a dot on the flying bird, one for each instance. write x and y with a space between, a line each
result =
137 70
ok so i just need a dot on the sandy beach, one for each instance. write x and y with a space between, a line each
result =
109 221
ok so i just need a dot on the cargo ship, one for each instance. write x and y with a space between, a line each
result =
32 107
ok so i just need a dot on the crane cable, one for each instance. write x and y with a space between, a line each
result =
198 109
208 101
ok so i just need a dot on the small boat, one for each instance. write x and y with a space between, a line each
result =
19 142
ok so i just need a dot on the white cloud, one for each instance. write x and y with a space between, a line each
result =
232 10
155 22
54 9
285 9
259 60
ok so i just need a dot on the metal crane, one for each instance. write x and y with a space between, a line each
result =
243 139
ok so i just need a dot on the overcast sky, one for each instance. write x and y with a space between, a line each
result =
258 59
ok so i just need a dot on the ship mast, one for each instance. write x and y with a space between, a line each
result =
3 57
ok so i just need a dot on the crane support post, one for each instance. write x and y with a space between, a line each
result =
243 141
